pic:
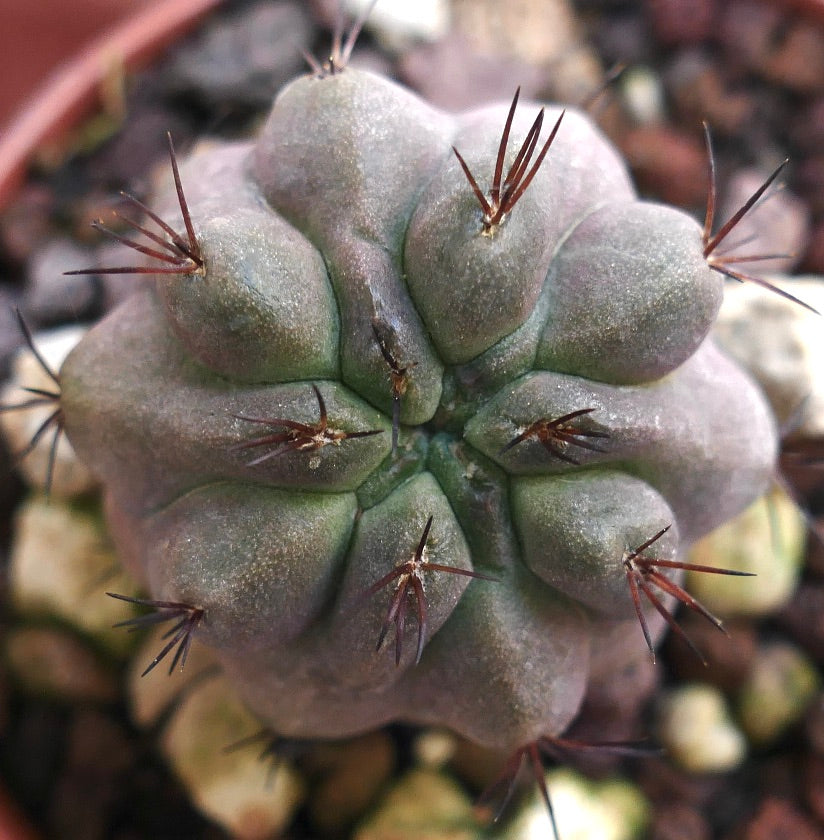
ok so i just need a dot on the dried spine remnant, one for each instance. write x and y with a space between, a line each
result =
503 197
176 254
410 582
398 375
179 636
550 747
612 75
300 437
723 261
341 50
644 572
40 396
555 435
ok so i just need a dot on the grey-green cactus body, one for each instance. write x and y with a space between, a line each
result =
342 245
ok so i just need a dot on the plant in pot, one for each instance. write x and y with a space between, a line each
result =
417 417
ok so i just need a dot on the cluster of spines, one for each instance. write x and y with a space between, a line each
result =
40 397
644 572
724 261
505 192
557 434
177 255
296 436
535 752
275 749
408 576
178 638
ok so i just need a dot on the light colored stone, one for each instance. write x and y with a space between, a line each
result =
71 478
249 798
612 809
781 686
52 296
398 23
540 33
695 728
423 805
767 540
537 31
781 344
61 567
434 748
53 663
643 94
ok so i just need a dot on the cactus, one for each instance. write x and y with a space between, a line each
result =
408 433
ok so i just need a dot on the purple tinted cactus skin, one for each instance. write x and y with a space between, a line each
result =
350 219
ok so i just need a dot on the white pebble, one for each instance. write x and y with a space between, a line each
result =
781 344
695 728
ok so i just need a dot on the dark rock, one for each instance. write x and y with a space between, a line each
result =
729 658
700 91
807 131
804 618
455 77
761 39
10 335
815 542
611 711
814 258
814 725
778 777
352 775
747 29
32 752
677 821
810 178
98 754
49 662
52 297
677 22
244 59
777 819
797 61
5 687
668 164
27 222
140 145
813 785
663 782
621 37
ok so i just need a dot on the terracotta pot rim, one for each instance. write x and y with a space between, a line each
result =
71 93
